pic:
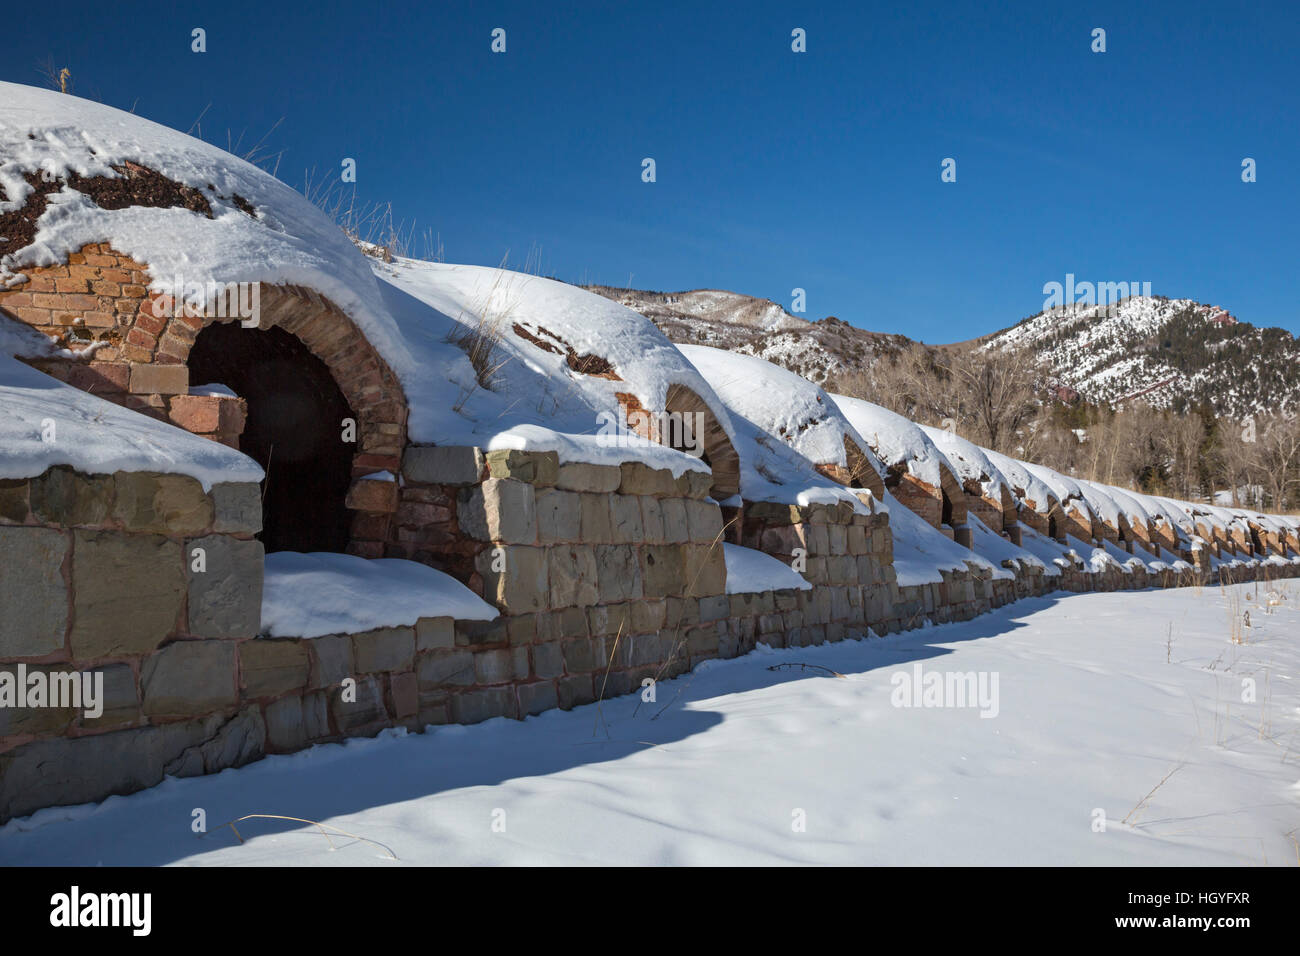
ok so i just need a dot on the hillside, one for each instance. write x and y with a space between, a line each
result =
752 326
1173 353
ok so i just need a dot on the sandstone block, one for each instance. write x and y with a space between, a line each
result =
640 479
439 669
331 660
63 497
270 668
384 649
619 573
538 697
475 706
225 597
189 678
534 467
237 507
595 525
573 576
522 586
625 512
168 504
500 510
33 597
435 633
558 516
128 592
365 713
443 464
577 476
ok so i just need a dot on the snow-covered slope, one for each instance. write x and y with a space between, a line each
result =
1027 487
544 334
921 552
706 306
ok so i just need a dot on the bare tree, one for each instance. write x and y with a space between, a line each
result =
1278 456
996 390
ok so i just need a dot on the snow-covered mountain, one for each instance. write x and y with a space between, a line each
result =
1170 352
752 326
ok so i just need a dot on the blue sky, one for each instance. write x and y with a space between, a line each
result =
775 170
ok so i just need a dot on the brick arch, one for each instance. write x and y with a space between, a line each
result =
1008 502
954 495
365 379
721 453
100 298
370 387
1027 513
859 473
1164 533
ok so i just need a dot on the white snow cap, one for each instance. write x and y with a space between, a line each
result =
896 439
1025 485
1067 490
970 462
781 403
44 422
770 468
536 398
312 595
750 571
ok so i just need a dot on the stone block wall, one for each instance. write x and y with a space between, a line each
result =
846 555
141 580
604 574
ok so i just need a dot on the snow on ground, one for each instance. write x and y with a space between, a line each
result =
1100 698
749 570
310 595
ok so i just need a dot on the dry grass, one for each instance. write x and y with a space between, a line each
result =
1141 804
480 337
56 78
